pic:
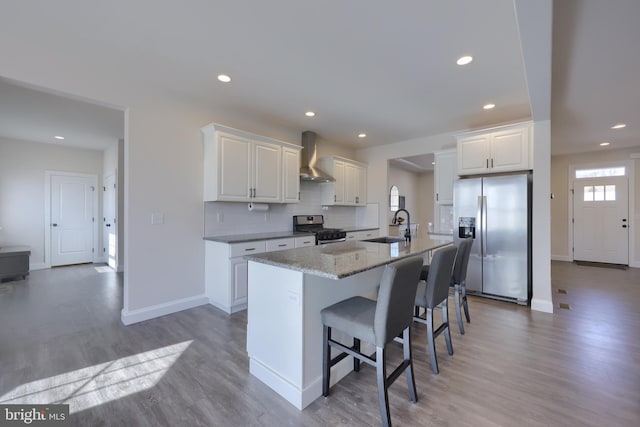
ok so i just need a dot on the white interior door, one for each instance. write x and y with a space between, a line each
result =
110 229
72 219
601 220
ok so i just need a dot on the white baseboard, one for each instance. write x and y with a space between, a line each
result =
542 305
142 314
300 398
566 258
37 266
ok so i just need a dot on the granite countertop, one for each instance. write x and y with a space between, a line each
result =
243 238
355 228
443 234
339 260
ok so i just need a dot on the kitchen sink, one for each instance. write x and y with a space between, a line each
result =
385 239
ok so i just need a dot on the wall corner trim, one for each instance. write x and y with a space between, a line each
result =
542 305
142 314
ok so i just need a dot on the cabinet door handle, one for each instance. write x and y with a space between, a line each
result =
250 249
437 197
487 163
335 197
492 163
282 245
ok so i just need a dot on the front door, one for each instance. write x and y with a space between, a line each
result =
601 220
72 216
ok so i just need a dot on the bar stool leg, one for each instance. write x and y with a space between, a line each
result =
356 361
383 397
458 299
326 356
447 330
406 348
430 341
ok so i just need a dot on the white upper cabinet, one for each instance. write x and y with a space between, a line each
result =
444 175
243 167
502 149
350 187
267 172
290 175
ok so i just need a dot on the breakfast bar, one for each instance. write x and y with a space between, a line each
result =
286 292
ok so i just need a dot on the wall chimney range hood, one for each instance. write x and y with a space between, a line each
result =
308 169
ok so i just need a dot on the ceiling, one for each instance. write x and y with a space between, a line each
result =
362 66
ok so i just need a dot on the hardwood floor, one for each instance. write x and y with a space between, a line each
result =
61 340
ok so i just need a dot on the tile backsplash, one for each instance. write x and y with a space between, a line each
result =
225 218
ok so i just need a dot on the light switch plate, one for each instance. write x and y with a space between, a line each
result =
157 218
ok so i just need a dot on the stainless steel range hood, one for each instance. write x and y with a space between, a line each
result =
308 170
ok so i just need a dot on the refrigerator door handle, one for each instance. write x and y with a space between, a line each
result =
478 225
484 226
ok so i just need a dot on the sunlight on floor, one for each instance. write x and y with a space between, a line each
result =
103 269
98 384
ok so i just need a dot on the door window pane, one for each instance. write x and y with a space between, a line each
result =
610 192
598 193
588 193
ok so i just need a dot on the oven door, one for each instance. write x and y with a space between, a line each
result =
325 241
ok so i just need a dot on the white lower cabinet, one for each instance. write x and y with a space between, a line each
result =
226 269
362 235
303 241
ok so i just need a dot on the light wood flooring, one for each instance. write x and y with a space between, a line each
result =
61 340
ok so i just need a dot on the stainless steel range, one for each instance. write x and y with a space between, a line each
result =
315 224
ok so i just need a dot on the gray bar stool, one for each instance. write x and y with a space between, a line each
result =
458 280
431 294
377 322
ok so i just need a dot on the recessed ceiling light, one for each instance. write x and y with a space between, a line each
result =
619 126
310 114
433 163
362 135
604 144
489 106
464 60
59 137
224 78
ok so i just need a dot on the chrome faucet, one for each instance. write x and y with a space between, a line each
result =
407 232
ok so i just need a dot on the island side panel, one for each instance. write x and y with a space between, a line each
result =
274 329
320 292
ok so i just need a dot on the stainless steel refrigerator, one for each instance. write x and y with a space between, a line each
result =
496 212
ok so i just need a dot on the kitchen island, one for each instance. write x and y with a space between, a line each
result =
287 290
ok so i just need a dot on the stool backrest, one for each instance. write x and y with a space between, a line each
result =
462 261
440 273
396 298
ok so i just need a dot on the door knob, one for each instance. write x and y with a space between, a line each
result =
108 225
624 226
54 225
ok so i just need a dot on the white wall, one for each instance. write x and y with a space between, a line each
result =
22 183
418 192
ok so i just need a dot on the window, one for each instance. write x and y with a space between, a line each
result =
599 193
394 199
600 172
